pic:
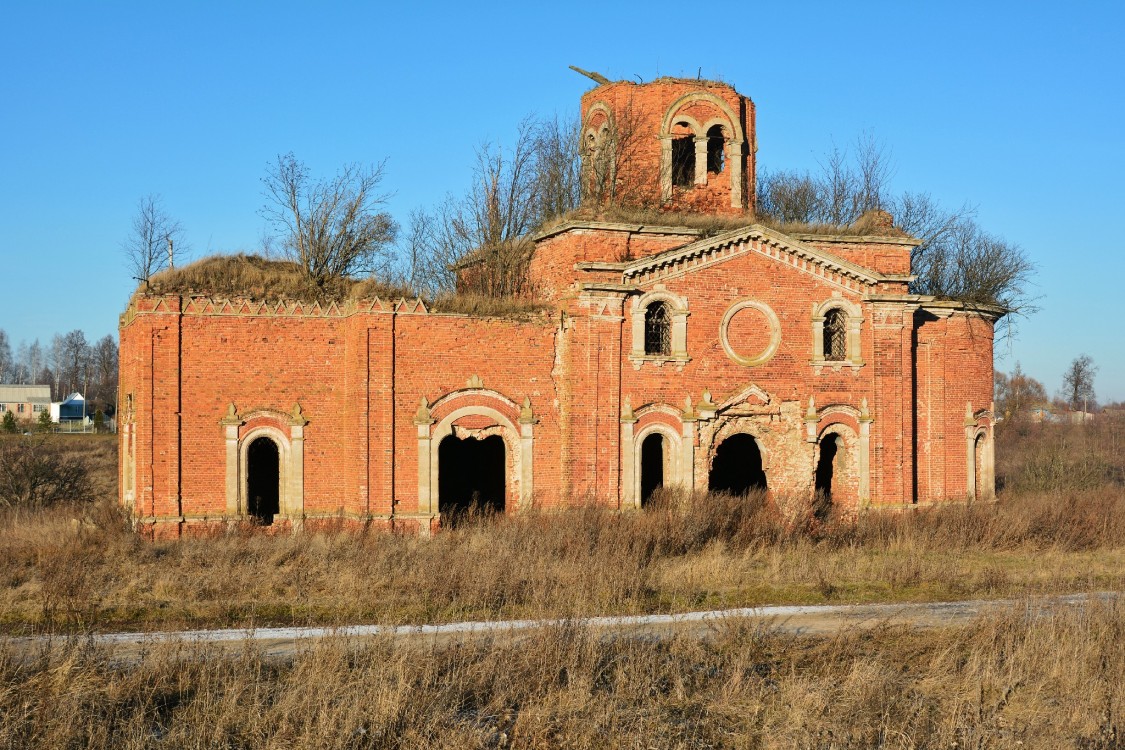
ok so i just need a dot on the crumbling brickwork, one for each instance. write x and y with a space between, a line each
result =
829 385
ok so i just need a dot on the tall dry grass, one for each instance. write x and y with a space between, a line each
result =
75 568
1019 680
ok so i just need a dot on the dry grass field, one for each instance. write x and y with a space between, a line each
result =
73 566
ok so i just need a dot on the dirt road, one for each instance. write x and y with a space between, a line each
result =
800 620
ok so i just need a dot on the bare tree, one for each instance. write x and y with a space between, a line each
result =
1078 383
956 259
788 197
334 228
558 167
103 356
1018 392
72 354
154 240
478 243
7 364
35 362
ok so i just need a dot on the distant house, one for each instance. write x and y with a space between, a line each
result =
73 409
25 401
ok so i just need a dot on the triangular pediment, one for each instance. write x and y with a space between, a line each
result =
750 400
755 239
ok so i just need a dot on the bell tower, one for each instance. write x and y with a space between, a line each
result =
673 144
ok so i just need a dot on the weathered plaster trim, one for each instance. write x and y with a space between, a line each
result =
519 441
774 329
854 315
291 460
672 456
678 309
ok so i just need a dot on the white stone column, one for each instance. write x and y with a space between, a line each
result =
231 422
865 420
734 164
679 333
527 462
970 453
988 475
295 477
630 495
666 167
423 420
687 457
700 160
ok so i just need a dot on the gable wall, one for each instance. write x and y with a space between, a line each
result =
788 376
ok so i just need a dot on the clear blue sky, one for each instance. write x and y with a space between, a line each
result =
1016 108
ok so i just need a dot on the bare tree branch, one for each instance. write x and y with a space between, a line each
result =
147 246
333 228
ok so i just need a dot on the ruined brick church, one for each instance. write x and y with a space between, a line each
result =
673 357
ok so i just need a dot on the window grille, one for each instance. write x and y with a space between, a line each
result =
658 330
835 335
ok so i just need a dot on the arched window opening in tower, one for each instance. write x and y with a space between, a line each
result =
716 153
658 330
835 335
652 466
471 477
737 466
263 480
683 161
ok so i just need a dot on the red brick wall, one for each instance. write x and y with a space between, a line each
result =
641 109
360 373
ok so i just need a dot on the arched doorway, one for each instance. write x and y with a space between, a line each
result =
825 476
471 473
737 466
263 480
652 466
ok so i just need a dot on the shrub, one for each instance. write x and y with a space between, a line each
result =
45 421
10 425
34 474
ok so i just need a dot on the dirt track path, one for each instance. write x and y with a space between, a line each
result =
799 620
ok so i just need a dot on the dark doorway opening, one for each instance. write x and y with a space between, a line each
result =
652 466
470 476
825 468
263 480
737 467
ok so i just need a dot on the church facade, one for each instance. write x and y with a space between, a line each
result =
672 356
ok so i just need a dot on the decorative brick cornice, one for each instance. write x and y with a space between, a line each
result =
281 308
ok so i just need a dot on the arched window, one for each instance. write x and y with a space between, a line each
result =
683 161
658 330
715 149
835 335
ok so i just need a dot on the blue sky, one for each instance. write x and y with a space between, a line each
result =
1016 108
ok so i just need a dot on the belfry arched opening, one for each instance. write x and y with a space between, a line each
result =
737 466
263 480
471 474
